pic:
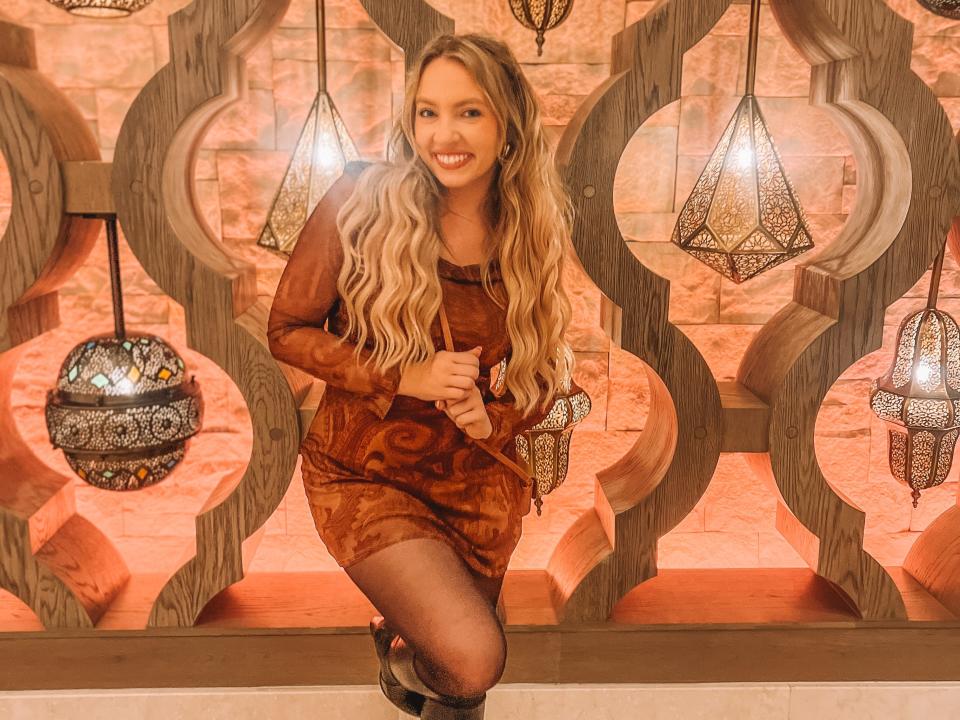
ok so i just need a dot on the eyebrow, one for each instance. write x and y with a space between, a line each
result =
470 101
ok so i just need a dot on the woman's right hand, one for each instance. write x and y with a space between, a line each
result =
445 376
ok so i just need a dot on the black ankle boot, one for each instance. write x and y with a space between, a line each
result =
407 700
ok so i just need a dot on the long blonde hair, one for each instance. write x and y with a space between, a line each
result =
391 243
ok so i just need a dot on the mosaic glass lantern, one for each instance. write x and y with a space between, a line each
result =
101 8
946 8
123 409
322 151
919 397
541 15
743 216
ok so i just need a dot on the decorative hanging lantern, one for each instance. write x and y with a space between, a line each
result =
541 15
743 216
919 396
101 8
946 8
322 151
123 409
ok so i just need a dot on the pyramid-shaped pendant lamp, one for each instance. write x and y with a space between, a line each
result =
321 153
743 216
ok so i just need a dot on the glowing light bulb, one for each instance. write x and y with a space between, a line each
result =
923 373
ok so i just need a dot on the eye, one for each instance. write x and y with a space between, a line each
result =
420 113
474 110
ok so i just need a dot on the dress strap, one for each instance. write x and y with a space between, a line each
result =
448 341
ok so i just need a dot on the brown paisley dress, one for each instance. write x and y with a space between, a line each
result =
379 467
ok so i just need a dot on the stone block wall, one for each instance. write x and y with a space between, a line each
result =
102 65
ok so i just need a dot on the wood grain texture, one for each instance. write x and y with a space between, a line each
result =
58 564
908 192
934 559
661 478
152 181
410 25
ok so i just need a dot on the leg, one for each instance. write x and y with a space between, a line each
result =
490 588
428 596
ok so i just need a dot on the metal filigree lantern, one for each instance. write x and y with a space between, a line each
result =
544 449
919 397
743 216
123 409
322 151
945 8
541 15
101 8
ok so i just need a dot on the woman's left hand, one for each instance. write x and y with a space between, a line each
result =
469 414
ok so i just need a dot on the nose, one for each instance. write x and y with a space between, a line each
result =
446 132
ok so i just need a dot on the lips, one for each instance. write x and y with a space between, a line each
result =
452 161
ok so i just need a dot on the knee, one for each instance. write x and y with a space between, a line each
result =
474 663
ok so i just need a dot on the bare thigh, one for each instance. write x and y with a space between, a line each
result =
428 595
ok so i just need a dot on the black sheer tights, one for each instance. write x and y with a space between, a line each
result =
440 607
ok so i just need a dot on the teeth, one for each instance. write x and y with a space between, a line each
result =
452 159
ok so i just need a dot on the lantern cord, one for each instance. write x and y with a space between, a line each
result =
752 46
113 251
321 49
935 279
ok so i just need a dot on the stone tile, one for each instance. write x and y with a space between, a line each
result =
924 21
628 400
158 12
817 182
798 128
566 78
285 553
207 194
937 61
248 124
721 345
694 287
759 298
558 109
873 701
85 99
34 14
352 44
636 10
112 106
647 227
737 500
96 55
584 37
702 121
249 180
584 332
711 67
337 14
590 373
781 71
646 173
269 266
736 21
845 407
708 550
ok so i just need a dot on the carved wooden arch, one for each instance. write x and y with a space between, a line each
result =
897 127
55 561
934 559
152 187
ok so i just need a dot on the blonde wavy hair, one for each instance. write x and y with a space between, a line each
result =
389 231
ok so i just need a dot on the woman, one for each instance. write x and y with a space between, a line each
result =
469 212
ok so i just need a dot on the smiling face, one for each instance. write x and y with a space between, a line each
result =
455 128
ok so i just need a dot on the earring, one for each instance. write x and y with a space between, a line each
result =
502 157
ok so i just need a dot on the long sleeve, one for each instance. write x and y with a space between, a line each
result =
307 295
508 421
